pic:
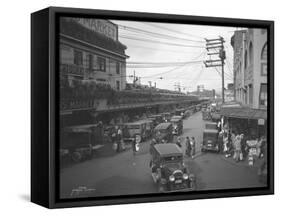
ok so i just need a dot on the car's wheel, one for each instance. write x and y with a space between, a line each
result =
76 157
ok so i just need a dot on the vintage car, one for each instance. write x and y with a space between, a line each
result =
180 112
149 126
168 169
80 141
130 130
177 125
210 140
163 131
215 116
187 113
157 119
211 125
166 116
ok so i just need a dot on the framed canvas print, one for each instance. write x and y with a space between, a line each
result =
139 107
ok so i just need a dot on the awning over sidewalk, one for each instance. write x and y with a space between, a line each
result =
244 112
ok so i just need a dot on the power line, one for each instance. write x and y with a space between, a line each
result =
150 48
174 31
160 42
158 35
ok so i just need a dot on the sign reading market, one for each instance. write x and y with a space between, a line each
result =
104 27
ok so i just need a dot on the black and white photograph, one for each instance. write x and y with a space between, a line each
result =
154 107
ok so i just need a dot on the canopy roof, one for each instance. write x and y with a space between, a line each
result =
244 112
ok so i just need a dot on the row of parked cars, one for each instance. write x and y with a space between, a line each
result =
79 142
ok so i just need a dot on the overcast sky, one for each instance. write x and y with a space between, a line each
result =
157 48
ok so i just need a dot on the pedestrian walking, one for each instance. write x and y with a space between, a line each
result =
237 148
220 142
193 145
153 142
188 147
263 147
119 139
178 142
243 147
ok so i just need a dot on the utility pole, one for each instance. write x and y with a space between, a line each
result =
215 48
134 80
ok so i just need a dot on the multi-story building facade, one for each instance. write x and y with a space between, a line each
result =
250 67
90 51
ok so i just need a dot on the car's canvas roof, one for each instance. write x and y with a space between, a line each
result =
177 116
212 123
210 131
168 149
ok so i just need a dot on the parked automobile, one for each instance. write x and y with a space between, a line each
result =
210 140
149 126
130 130
163 131
187 113
215 116
177 125
211 125
157 119
81 140
168 169
166 116
180 112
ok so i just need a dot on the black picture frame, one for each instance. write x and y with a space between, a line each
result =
45 106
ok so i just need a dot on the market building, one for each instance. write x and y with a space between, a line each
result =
249 113
90 51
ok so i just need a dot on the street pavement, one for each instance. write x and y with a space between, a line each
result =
124 173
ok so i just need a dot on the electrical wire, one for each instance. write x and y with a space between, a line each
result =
174 31
160 42
154 34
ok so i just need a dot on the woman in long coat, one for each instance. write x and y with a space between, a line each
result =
188 147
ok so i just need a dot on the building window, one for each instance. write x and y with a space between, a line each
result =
264 52
264 60
263 69
118 85
251 54
263 95
89 61
78 57
246 60
117 67
101 64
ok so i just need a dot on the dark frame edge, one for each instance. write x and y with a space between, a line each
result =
39 108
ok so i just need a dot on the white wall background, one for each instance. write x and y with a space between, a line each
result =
15 106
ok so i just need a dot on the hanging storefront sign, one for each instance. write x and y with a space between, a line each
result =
261 121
